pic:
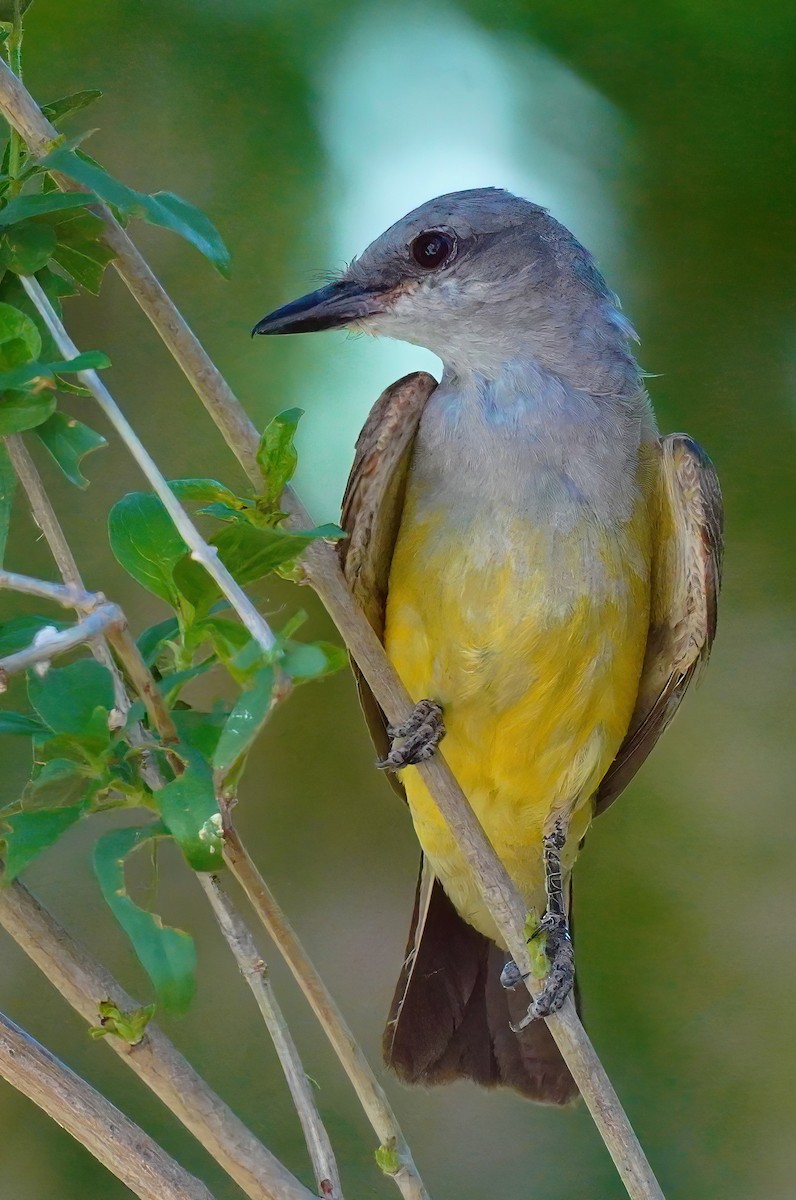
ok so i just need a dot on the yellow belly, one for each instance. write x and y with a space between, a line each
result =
533 644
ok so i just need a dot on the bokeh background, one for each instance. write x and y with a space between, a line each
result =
663 135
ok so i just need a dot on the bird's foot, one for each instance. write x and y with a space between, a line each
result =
419 737
560 977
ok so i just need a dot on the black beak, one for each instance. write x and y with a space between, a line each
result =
330 307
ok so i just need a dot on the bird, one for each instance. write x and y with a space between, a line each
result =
543 570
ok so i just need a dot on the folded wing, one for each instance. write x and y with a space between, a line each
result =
686 581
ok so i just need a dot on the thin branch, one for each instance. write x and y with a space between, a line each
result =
143 681
255 972
83 983
50 642
323 573
107 1133
60 593
200 550
367 1087
48 523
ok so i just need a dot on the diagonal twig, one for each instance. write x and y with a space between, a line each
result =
200 550
118 1143
49 642
84 983
254 971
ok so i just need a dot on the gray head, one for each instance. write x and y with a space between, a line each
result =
481 278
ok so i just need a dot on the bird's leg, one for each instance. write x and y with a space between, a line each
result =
419 737
560 977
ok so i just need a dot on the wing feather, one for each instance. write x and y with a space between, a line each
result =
686 582
371 515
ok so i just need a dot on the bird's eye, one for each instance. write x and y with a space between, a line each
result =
432 249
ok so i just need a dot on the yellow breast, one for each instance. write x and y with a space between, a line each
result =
533 643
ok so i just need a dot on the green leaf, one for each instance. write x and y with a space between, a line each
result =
55 286
277 456
31 832
145 542
67 698
19 338
69 441
203 491
162 208
200 730
60 782
167 955
27 247
152 640
313 660
57 110
20 723
245 721
251 552
19 632
190 811
8 482
130 1027
176 214
24 410
80 249
22 208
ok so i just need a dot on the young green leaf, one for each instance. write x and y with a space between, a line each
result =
59 783
190 811
69 441
245 721
80 250
28 833
152 640
68 698
24 410
57 110
19 338
276 455
167 955
205 491
312 660
145 542
27 247
22 208
20 724
162 208
129 1026
251 552
8 482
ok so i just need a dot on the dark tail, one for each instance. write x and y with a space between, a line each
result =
450 1015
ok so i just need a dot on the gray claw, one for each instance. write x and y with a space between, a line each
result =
560 978
419 736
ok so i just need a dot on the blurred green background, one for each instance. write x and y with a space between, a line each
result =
663 135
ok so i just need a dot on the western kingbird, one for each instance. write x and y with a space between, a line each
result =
543 570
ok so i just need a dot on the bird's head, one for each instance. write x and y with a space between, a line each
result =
475 276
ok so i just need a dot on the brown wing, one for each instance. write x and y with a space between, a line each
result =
371 515
686 581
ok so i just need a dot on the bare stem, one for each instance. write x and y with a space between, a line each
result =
255 972
48 523
368 1089
200 550
323 572
50 642
83 983
60 593
107 1133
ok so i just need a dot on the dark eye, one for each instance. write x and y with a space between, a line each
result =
432 249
